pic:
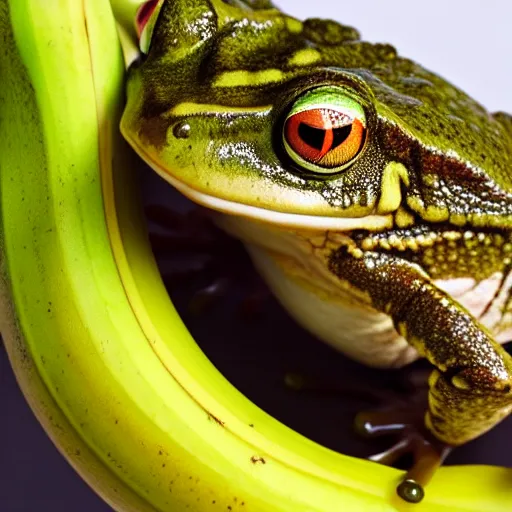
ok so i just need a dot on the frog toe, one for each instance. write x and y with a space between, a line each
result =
413 440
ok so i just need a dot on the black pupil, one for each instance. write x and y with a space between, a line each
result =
314 137
340 135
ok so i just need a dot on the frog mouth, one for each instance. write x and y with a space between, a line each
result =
277 218
289 220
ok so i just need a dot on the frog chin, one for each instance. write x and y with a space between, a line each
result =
282 219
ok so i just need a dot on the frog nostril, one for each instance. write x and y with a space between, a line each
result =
181 130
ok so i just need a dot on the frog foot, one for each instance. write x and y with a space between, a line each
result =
413 439
400 398
190 247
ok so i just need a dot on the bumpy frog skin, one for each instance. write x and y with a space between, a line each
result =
374 197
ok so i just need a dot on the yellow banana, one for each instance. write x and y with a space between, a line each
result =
100 354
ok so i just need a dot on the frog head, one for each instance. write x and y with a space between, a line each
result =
251 112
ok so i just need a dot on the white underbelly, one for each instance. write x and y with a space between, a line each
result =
362 334
352 326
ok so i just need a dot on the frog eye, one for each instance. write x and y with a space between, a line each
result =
325 130
145 20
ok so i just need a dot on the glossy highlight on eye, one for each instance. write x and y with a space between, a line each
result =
325 130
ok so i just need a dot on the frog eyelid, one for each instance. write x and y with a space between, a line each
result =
354 113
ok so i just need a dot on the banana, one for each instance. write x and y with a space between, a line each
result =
99 351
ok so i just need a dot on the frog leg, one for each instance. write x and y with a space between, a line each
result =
470 390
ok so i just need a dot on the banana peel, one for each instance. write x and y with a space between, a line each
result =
100 353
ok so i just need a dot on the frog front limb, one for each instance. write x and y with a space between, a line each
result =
471 387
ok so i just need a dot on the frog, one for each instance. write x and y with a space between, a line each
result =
372 195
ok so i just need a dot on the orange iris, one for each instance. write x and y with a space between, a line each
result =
324 136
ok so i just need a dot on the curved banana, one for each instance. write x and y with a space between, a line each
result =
100 353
